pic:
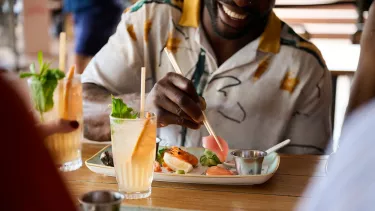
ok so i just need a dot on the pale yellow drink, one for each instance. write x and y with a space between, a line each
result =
66 148
133 147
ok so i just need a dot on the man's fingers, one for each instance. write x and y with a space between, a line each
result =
59 126
165 103
202 103
175 101
184 84
183 101
166 118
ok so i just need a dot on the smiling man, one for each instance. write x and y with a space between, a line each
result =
261 82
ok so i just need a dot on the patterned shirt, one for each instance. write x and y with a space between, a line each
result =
274 88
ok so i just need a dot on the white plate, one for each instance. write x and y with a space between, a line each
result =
270 166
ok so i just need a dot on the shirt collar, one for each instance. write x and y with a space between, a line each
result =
269 41
190 13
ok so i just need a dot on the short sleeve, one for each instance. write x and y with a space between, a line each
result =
310 126
117 65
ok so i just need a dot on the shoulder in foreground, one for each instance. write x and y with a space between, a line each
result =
290 38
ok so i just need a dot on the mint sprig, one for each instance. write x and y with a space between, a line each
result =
43 85
121 110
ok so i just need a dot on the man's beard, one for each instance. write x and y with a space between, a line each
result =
212 7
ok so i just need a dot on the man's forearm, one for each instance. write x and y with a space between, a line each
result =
96 111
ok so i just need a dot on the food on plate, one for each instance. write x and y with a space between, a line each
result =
178 159
216 170
210 144
175 163
107 158
180 172
160 155
166 167
157 167
209 159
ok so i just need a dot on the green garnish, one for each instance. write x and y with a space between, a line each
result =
160 155
209 158
180 172
43 84
121 110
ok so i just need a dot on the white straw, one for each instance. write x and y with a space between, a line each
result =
62 51
205 120
143 91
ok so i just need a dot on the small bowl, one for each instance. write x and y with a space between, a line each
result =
101 200
248 162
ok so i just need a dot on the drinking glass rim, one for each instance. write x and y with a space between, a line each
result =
153 116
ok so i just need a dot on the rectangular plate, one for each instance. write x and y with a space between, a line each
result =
270 165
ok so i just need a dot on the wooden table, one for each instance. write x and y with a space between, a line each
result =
281 192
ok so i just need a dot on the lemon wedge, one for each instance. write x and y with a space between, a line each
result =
141 137
177 164
67 92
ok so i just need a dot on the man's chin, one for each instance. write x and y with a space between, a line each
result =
229 34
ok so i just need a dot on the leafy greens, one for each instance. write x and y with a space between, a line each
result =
160 155
43 84
209 158
121 110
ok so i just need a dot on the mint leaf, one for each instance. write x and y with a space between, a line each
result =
49 87
27 75
56 73
43 84
32 68
40 59
121 110
37 95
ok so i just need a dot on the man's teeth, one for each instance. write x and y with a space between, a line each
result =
232 14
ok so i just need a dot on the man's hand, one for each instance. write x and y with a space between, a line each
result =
175 101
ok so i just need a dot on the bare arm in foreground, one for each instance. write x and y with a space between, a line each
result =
363 88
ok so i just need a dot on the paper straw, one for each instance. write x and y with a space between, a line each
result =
143 92
62 51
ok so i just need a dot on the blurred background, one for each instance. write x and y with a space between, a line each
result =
29 26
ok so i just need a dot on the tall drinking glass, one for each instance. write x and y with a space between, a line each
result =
133 147
67 104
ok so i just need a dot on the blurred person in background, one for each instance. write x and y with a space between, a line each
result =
94 22
350 183
32 171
